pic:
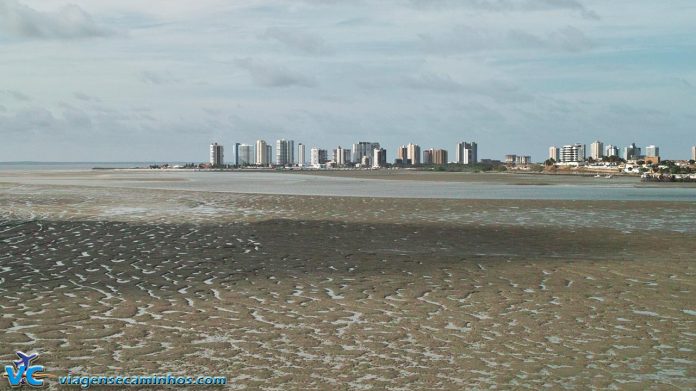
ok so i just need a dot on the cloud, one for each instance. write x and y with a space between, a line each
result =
85 97
298 41
29 121
568 39
267 75
69 22
497 90
463 39
508 5
16 95
158 78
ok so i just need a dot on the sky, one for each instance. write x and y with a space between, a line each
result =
159 80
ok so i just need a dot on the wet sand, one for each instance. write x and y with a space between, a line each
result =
298 292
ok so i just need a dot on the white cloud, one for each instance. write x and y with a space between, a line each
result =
298 40
268 75
70 21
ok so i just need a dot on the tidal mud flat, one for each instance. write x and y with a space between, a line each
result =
289 292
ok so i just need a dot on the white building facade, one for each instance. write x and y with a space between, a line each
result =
217 155
597 150
301 158
262 157
413 153
652 150
572 153
554 153
285 152
466 153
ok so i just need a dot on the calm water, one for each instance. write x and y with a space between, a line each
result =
277 183
621 189
58 166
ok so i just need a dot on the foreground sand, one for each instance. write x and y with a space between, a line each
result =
290 292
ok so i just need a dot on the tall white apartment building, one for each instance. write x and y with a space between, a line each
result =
611 150
652 150
554 153
314 157
413 153
285 152
597 150
263 158
301 158
318 156
217 155
379 158
572 153
466 153
341 156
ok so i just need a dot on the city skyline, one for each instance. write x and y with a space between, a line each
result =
81 81
363 153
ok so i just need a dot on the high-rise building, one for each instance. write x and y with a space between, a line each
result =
402 155
554 153
263 157
439 156
301 155
217 155
693 152
318 156
379 157
523 159
341 156
435 156
597 150
652 151
611 151
413 153
285 152
235 154
428 156
314 157
291 152
631 152
510 159
466 153
572 153
281 157
363 148
246 155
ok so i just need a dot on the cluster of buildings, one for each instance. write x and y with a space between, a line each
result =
573 154
285 153
362 154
